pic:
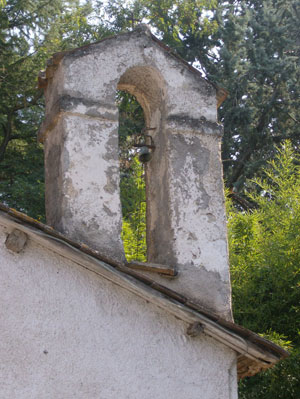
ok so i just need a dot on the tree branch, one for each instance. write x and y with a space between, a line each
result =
22 137
295 120
242 202
7 134
247 154
34 101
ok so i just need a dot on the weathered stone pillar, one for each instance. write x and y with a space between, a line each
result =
82 177
186 212
186 225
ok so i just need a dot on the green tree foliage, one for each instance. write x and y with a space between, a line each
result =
259 43
132 181
265 256
280 382
134 212
174 19
131 123
30 32
249 47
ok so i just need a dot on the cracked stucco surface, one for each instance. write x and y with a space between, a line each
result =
68 333
186 224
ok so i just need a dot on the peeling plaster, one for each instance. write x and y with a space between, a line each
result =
185 200
69 333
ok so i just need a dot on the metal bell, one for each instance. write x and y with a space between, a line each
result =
145 144
145 154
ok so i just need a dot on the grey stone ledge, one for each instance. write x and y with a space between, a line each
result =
184 122
69 105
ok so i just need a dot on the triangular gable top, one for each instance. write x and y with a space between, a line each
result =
254 352
143 29
180 111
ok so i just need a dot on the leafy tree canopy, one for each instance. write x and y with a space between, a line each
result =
30 32
250 48
264 247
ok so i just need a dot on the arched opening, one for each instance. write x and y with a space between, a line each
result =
132 178
140 98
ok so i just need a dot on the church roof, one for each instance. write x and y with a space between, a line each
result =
254 352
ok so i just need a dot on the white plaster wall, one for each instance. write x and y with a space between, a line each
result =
67 333
186 93
86 170
199 221
185 200
92 190
86 145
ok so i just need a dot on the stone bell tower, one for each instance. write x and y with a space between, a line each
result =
186 224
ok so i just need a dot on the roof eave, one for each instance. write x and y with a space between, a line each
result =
254 352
